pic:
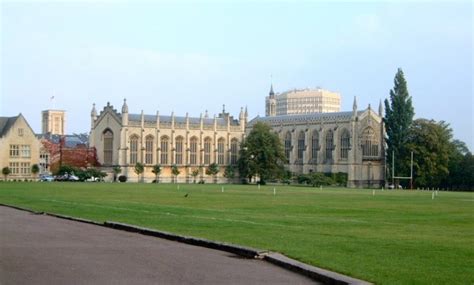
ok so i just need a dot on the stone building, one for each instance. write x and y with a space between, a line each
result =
347 142
190 143
302 101
53 122
19 147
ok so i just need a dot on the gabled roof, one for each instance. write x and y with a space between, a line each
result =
6 123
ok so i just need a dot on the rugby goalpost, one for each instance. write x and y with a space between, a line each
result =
402 177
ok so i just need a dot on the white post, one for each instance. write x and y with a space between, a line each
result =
222 189
373 192
432 195
274 191
178 186
321 187
258 186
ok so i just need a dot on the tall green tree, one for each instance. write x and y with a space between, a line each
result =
430 142
261 154
399 114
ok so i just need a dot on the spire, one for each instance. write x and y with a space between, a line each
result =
124 106
223 108
271 93
94 111
206 115
380 108
246 113
354 105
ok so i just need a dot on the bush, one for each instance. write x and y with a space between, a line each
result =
122 178
201 181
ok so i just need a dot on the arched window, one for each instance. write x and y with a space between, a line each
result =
370 145
345 144
149 149
193 151
207 150
220 151
288 146
133 149
108 147
329 145
179 150
314 146
300 146
164 150
234 144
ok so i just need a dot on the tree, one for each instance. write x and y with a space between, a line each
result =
116 169
156 170
194 174
460 167
6 171
399 114
35 169
229 172
139 169
261 154
212 170
175 171
430 142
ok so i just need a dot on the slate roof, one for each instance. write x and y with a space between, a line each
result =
70 141
180 119
299 118
6 123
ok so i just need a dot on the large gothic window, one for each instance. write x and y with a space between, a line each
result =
193 151
370 145
108 146
301 146
133 149
345 145
329 145
220 151
314 146
207 150
164 150
288 146
179 150
149 149
234 144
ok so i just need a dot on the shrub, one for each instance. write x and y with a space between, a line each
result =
122 178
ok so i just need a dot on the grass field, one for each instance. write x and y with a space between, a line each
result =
394 237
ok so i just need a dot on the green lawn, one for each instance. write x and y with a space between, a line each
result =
394 237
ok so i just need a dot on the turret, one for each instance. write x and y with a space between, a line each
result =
354 108
124 113
242 119
93 116
270 104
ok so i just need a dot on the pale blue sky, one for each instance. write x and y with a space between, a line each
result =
189 57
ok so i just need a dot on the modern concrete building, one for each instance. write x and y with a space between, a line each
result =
190 143
19 147
347 142
53 122
302 101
